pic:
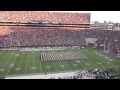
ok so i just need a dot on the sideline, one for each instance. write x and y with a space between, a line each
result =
44 76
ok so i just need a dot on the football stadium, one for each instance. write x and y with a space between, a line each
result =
56 45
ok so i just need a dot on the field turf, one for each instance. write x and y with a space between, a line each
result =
29 63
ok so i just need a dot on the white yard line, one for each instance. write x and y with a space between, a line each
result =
55 66
40 66
1 54
107 64
82 65
92 63
77 66
48 67
33 63
68 65
6 61
10 67
105 59
19 64
101 62
3 57
91 59
61 64
26 64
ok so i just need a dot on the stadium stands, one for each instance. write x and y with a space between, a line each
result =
106 40
44 16
13 37
90 74
25 36
35 36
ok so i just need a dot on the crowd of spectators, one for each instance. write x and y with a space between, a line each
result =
45 16
91 74
107 40
35 36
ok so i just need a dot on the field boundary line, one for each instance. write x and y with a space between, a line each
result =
19 64
33 63
68 65
26 64
40 64
55 66
6 61
10 67
91 59
3 57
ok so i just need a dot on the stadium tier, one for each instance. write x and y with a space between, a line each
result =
35 42
44 17
40 36
53 35
106 40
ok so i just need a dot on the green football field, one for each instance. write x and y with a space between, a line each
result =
29 63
